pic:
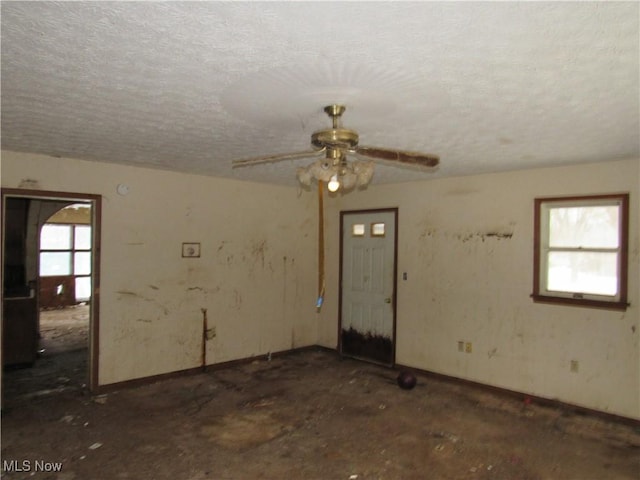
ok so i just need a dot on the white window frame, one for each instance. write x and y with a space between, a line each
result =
541 292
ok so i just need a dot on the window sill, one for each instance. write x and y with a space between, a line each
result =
580 302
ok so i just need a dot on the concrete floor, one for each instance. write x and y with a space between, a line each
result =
307 415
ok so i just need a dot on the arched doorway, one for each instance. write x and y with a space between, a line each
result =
50 302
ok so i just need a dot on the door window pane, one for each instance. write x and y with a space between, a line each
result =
377 229
83 288
82 263
357 230
55 263
82 238
55 237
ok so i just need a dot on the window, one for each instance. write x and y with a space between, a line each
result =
66 250
357 230
580 254
377 229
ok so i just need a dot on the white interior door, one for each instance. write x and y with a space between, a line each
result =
367 316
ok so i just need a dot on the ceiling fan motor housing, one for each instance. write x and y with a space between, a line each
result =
335 138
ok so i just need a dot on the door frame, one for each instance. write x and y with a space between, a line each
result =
96 224
394 296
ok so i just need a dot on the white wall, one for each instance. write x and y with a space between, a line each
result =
255 277
467 246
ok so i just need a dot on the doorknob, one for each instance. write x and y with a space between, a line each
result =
387 300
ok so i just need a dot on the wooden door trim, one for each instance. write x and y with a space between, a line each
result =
344 213
96 215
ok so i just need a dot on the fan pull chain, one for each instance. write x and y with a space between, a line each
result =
320 300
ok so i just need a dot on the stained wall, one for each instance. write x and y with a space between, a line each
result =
255 276
467 246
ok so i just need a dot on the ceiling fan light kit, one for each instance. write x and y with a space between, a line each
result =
334 169
340 175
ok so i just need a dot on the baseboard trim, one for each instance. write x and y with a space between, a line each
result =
547 402
139 382
525 397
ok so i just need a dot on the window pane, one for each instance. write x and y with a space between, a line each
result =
55 263
587 227
83 237
82 263
377 229
583 272
83 288
55 237
357 230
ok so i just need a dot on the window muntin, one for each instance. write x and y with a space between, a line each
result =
581 250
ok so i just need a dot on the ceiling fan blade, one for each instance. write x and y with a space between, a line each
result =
406 158
276 158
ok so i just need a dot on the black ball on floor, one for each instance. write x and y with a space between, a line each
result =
406 380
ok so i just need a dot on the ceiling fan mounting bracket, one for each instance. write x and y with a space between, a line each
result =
335 111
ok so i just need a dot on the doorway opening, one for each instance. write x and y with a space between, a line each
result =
50 257
368 256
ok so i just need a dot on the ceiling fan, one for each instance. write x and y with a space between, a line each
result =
334 144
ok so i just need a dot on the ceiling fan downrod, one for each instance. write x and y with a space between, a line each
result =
335 112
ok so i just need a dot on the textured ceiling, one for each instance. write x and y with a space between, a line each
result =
191 86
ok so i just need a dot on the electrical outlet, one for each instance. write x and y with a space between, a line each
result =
468 347
575 366
460 346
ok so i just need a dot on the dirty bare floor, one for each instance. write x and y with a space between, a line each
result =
309 415
63 359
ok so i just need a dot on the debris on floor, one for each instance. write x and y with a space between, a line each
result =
311 415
